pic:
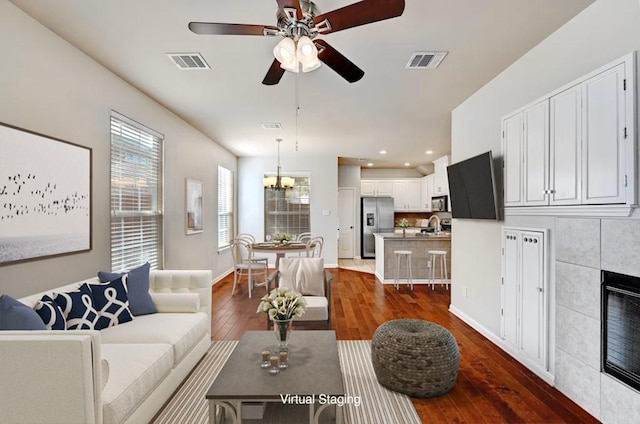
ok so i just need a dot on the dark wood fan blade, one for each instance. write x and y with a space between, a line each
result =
274 74
336 61
356 14
213 28
290 4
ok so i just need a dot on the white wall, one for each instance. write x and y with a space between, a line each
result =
323 174
606 30
50 87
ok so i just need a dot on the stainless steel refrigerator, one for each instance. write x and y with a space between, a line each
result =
377 217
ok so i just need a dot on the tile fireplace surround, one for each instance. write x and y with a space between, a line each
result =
583 248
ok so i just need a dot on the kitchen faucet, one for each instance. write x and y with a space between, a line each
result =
438 228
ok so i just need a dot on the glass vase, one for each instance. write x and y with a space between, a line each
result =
282 330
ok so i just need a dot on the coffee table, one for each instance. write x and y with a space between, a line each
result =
313 375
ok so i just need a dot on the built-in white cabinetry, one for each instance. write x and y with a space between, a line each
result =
440 178
376 188
426 187
526 153
525 295
577 145
406 195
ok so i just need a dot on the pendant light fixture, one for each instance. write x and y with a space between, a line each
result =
278 182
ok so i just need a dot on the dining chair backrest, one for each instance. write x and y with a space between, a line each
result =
240 248
304 237
247 236
314 247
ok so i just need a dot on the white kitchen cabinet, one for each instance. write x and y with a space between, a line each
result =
441 179
406 195
525 297
377 188
576 146
426 187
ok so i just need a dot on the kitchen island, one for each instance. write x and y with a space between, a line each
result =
419 244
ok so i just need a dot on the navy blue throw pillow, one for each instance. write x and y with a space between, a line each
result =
137 282
50 313
111 302
77 308
15 315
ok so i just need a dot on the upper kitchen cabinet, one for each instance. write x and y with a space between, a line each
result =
440 178
426 187
406 195
381 188
575 147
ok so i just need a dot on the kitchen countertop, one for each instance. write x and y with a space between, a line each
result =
429 236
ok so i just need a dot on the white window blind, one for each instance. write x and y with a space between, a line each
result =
288 211
225 207
136 194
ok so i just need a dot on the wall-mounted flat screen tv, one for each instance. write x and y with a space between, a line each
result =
472 188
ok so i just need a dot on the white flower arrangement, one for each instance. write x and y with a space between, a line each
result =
403 223
282 303
280 237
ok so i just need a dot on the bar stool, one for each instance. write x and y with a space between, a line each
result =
434 255
399 254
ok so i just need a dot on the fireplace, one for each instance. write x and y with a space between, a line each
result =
621 327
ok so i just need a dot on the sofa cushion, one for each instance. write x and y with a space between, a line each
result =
137 281
182 331
15 315
50 313
111 302
135 370
77 308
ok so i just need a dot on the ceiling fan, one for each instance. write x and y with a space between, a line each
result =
299 22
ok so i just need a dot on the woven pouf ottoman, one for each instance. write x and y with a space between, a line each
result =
415 357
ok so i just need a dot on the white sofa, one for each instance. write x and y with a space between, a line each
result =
123 373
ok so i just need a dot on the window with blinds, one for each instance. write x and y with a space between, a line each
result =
225 207
288 211
136 194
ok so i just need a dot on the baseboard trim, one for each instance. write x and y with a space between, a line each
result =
493 338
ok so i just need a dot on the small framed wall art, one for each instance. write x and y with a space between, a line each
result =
194 206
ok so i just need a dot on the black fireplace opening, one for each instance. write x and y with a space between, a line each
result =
621 327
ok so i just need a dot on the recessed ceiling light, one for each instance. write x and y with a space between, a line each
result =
429 152
407 164
383 152
370 164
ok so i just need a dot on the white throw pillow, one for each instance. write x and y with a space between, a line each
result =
305 275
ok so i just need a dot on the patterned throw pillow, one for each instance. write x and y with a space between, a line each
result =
140 301
77 308
50 313
111 302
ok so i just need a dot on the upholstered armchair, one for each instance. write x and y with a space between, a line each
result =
307 276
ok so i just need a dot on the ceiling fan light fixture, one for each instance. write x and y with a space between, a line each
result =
285 50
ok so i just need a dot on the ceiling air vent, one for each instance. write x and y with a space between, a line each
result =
425 60
188 61
271 125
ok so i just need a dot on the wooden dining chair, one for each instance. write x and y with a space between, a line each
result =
314 247
251 239
241 252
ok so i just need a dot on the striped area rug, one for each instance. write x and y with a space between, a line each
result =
378 405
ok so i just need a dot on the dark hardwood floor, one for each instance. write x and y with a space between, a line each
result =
491 386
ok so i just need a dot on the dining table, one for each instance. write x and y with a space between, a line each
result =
280 249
